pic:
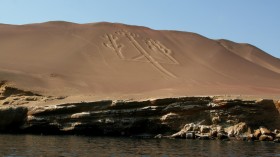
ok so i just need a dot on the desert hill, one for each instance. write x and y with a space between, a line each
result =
117 60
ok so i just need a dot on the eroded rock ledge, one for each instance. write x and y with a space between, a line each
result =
141 118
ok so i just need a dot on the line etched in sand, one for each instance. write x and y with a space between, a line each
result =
155 45
112 44
131 37
92 44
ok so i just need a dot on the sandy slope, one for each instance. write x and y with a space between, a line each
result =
116 60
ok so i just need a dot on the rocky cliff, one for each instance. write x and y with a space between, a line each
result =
138 118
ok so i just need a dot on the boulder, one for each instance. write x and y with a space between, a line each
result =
257 133
276 131
190 129
270 138
238 129
251 137
190 135
265 138
204 129
265 131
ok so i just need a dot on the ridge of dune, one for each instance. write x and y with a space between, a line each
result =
253 54
117 60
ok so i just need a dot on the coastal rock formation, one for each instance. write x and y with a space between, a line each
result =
192 115
12 118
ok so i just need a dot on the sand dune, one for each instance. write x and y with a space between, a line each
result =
116 60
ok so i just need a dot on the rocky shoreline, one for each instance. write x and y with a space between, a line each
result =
239 131
183 117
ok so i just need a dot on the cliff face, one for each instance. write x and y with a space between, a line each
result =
132 118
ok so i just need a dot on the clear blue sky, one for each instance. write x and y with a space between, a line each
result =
251 21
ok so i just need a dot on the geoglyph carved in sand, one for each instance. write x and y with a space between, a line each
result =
153 47
112 44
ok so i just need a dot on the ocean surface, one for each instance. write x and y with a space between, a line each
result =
36 145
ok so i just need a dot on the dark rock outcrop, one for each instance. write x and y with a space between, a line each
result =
12 118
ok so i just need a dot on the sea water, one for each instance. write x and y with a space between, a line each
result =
36 145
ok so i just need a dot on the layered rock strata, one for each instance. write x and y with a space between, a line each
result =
167 116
